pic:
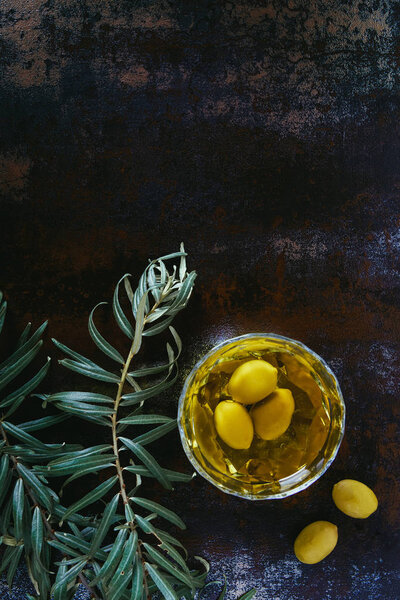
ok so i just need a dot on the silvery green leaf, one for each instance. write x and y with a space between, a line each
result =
145 371
5 518
163 512
163 271
184 592
7 556
74 542
87 408
143 291
175 555
94 372
122 426
60 591
118 591
137 340
208 585
33 455
104 526
155 434
22 435
146 419
24 335
13 564
177 339
84 452
137 582
42 423
70 561
75 355
154 286
165 536
113 558
122 574
59 510
148 460
3 310
4 490
133 491
24 349
184 293
27 525
97 493
128 289
96 570
18 507
80 397
14 407
171 475
182 264
72 465
39 489
165 564
144 525
161 582
63 548
150 392
101 342
159 327
10 372
4 473
223 592
37 533
248 595
67 576
84 414
133 383
129 514
122 320
87 471
28 387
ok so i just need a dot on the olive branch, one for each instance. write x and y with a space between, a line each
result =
122 554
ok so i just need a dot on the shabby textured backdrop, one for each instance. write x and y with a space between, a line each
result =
265 135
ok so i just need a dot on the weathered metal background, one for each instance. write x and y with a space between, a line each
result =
265 135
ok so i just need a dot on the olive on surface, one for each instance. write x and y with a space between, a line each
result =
354 499
315 542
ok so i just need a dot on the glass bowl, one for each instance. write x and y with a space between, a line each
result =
303 371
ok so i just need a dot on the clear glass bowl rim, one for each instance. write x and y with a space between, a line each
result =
198 467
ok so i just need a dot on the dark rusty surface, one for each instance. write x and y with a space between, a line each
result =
265 135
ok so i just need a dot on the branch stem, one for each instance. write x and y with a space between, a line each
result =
114 420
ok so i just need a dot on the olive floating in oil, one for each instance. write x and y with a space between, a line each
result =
234 425
272 416
252 381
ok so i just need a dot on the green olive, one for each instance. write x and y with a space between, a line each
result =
354 498
252 381
234 425
272 416
315 542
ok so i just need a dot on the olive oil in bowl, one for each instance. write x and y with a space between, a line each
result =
257 446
